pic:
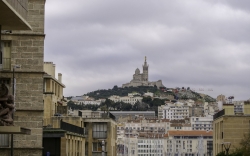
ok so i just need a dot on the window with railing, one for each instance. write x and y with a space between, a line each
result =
97 147
5 56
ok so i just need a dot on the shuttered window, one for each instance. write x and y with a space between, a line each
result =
4 140
5 56
100 130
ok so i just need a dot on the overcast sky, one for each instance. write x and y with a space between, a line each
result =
97 44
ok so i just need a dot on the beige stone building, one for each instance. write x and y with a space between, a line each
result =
230 127
62 134
53 93
99 127
65 136
22 43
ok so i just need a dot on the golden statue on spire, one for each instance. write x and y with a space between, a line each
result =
145 58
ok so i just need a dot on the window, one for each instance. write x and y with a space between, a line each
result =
5 59
4 140
97 146
100 130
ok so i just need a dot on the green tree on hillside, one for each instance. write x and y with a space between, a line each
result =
147 99
140 106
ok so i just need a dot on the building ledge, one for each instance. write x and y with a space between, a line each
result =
23 148
14 130
13 17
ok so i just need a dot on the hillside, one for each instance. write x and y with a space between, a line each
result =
177 93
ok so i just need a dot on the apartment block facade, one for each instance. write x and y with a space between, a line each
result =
202 123
173 111
189 143
98 130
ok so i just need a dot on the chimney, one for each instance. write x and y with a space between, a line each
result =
60 77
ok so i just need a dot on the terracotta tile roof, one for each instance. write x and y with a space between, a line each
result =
190 133
180 125
178 121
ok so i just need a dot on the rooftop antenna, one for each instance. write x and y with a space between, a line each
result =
230 99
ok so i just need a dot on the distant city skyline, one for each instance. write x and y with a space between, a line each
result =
196 44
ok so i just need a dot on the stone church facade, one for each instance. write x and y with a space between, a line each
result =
141 79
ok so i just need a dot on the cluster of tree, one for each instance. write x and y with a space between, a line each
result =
242 150
208 98
147 104
183 93
121 106
74 106
121 91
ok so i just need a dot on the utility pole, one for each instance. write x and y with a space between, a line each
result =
13 92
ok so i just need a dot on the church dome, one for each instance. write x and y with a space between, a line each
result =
137 71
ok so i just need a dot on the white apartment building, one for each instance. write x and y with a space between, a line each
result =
238 106
175 111
202 123
147 125
189 143
150 142
126 99
147 131
149 94
151 145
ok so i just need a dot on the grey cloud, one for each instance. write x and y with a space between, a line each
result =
99 44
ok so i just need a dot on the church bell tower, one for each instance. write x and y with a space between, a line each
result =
145 70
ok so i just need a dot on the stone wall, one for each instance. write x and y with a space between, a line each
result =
27 50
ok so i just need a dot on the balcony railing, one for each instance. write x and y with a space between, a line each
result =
99 134
219 114
108 115
72 128
5 64
20 6
98 153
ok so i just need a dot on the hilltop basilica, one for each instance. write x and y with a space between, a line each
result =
141 79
